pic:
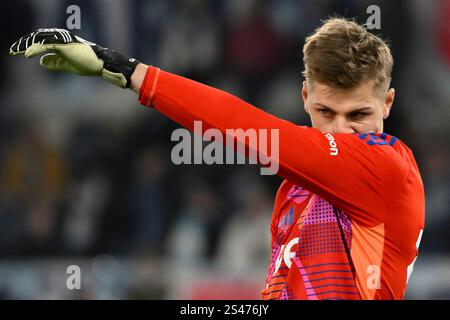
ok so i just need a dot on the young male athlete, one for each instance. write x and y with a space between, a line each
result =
349 216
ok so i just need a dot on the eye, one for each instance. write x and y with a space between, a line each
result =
326 112
358 115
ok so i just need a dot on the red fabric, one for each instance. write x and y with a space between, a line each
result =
369 194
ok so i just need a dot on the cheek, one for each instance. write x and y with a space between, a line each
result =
363 127
320 123
367 126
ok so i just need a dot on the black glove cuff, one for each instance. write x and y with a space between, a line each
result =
116 62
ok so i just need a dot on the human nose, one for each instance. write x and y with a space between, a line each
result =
341 125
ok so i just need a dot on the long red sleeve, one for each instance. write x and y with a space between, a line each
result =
363 178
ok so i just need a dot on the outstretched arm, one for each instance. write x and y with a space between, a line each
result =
357 173
340 168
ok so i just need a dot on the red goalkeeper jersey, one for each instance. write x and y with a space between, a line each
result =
347 219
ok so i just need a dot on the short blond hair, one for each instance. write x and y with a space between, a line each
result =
341 53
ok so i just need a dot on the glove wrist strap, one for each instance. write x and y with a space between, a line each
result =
116 67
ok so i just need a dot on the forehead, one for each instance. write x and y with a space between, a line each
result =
360 96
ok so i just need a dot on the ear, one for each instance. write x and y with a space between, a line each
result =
305 94
388 102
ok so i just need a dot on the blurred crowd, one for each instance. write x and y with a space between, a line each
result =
85 171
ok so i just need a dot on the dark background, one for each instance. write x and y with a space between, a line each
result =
86 176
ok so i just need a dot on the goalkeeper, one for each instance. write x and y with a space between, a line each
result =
348 218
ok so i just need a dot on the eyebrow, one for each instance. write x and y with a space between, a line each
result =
357 110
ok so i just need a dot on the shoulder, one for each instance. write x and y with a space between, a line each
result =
378 139
384 154
389 144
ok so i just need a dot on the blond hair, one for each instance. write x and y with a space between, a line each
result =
341 53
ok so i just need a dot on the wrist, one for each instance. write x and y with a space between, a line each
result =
137 77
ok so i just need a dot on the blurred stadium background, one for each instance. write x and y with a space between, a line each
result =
85 171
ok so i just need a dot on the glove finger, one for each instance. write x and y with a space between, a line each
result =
76 58
42 36
21 45
16 48
115 78
37 49
53 62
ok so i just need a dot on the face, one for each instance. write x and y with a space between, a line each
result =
358 110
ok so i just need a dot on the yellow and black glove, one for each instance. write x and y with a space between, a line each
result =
70 53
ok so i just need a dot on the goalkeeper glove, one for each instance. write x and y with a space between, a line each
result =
68 52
